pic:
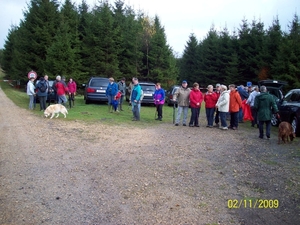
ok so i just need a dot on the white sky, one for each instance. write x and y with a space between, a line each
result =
181 18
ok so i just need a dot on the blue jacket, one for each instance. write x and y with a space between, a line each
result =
244 94
136 93
159 97
112 89
39 93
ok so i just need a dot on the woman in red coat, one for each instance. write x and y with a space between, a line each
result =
196 98
72 90
210 99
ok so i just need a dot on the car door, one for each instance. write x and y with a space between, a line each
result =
287 106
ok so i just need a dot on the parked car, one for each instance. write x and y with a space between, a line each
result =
274 87
51 96
95 90
289 109
169 95
148 91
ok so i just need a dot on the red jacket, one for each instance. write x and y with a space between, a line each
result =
235 102
210 99
196 96
72 87
61 89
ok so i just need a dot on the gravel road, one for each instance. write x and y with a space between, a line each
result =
62 172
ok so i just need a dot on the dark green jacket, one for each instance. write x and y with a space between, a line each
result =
265 105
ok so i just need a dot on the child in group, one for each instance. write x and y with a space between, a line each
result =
115 102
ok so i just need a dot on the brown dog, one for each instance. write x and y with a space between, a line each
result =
285 131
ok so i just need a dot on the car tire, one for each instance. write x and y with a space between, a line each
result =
274 120
295 126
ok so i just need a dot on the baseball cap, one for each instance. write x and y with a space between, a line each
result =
218 85
184 81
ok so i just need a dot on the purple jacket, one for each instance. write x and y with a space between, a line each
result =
159 96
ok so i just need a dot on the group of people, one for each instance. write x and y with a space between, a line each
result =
222 102
59 88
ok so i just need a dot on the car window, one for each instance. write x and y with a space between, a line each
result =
98 83
148 88
295 97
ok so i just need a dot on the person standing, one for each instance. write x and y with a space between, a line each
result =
244 95
235 103
210 99
135 99
265 105
196 98
42 89
159 100
122 89
223 106
111 92
31 92
61 90
72 87
218 93
250 101
182 95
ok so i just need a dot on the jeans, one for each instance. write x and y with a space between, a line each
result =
261 128
136 110
110 98
195 116
234 119
62 99
223 119
121 101
31 100
210 116
241 115
185 113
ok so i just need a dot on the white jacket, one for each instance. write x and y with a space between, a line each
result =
30 88
223 102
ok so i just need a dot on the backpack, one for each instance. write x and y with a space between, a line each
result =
43 87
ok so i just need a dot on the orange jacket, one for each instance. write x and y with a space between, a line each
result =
235 101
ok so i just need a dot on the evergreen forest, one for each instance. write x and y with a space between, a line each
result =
114 40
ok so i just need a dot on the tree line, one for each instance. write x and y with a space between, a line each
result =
115 40
80 42
250 53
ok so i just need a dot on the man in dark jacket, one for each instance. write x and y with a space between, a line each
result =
265 105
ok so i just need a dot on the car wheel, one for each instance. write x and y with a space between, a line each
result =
295 126
87 101
274 120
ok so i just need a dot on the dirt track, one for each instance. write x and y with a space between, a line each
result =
58 172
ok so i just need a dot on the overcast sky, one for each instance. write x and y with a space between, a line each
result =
181 18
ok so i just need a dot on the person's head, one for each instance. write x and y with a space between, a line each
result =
263 89
63 78
232 87
71 80
157 85
223 88
123 80
42 78
255 88
218 87
31 79
184 84
196 86
111 80
135 80
210 88
46 77
58 77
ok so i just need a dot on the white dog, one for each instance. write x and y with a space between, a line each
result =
57 108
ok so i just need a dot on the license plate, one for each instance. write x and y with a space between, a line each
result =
147 94
101 91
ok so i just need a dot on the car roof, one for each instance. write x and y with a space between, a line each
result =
272 83
146 83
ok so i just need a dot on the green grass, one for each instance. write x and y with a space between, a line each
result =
96 111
